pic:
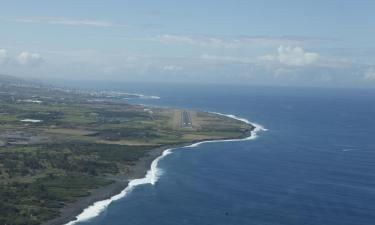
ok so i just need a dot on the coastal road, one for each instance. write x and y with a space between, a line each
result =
186 120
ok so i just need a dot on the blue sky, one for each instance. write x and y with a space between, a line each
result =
313 43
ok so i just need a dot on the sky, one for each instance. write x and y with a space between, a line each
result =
266 42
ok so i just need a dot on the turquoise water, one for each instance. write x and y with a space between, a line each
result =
315 164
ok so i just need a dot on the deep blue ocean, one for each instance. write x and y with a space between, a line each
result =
314 166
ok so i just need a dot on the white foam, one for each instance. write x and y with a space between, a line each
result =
149 97
145 97
30 101
252 136
31 121
153 174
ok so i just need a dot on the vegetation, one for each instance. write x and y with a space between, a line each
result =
73 142
37 180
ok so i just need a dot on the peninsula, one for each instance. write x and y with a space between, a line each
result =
62 149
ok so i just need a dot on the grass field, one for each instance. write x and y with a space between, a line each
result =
79 144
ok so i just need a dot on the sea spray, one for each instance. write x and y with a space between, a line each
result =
154 172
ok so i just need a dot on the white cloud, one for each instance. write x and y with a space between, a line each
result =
325 78
268 57
232 41
65 21
202 41
3 56
172 68
292 56
29 59
285 72
226 59
369 74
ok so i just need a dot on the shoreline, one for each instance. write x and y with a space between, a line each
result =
142 172
121 182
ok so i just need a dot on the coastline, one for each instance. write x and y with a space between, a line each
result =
137 171
142 172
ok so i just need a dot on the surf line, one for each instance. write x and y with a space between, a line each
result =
154 172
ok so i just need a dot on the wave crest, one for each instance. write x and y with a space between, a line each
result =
154 173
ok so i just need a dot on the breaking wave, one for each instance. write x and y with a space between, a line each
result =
154 172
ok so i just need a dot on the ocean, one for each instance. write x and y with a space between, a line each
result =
315 164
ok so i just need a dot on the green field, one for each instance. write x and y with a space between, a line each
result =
80 143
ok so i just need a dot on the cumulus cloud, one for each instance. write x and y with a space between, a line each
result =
29 59
3 56
292 56
369 74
